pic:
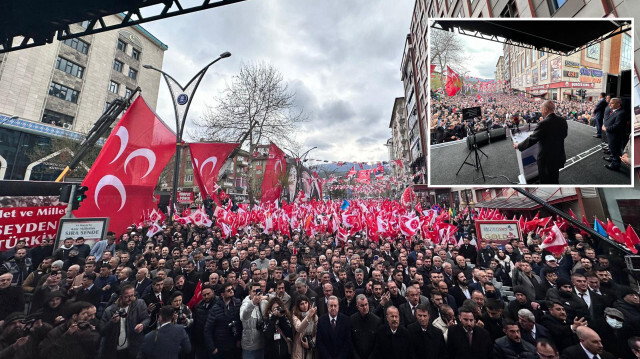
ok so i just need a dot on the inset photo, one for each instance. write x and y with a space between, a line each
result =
512 102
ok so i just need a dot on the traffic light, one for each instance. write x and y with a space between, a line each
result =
65 193
79 196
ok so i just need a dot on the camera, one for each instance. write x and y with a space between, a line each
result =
84 325
310 341
280 310
122 313
234 328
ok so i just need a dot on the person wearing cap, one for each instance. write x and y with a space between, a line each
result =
573 305
52 309
529 329
629 304
522 301
613 330
51 283
12 334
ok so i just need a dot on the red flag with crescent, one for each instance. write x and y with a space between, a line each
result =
454 84
275 167
125 173
207 159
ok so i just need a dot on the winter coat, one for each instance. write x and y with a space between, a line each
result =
251 317
110 331
217 332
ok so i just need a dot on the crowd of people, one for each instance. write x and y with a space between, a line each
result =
190 292
498 110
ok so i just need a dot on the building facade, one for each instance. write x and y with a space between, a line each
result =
561 77
61 89
400 138
499 73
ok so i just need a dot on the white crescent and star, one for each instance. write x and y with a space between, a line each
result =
213 160
123 133
111 180
142 152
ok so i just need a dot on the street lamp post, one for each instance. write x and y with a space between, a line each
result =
182 96
302 158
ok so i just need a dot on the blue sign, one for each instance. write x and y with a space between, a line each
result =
182 99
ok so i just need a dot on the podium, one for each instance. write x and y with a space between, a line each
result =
527 159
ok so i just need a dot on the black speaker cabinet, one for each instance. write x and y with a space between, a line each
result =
498 134
482 139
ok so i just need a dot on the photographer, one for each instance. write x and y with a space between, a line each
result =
122 325
169 341
181 313
76 338
277 330
252 323
223 329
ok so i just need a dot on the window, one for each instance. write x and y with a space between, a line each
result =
122 46
85 24
63 92
56 118
106 106
626 57
114 87
117 65
554 5
188 178
127 92
69 67
510 10
78 45
135 54
133 74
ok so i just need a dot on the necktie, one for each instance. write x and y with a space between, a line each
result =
413 311
582 297
333 324
470 336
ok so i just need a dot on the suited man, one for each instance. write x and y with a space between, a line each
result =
468 250
142 282
407 310
333 338
89 292
550 134
590 346
466 340
155 299
392 340
322 303
426 340
169 341
598 114
529 329
559 328
348 303
614 126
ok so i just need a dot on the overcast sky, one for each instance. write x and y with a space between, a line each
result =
482 56
341 57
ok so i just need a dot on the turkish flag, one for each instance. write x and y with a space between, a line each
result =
207 159
409 226
364 176
614 232
454 83
123 177
275 167
631 239
554 242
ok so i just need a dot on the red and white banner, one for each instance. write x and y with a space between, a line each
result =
123 177
30 224
275 167
364 176
185 197
207 159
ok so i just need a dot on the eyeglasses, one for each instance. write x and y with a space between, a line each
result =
229 290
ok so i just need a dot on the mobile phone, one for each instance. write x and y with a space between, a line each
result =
313 305
376 257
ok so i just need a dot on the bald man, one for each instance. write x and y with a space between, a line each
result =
550 134
590 346
615 125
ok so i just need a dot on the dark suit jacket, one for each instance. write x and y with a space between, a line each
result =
321 304
541 332
93 295
561 333
427 344
478 286
550 134
616 122
576 352
168 342
140 288
598 111
334 343
390 345
406 317
458 295
458 345
350 309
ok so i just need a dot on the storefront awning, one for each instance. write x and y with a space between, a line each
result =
523 203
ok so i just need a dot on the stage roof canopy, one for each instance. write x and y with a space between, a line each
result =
562 37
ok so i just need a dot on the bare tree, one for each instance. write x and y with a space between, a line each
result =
447 50
258 102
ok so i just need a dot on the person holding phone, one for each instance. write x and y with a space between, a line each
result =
305 324
252 341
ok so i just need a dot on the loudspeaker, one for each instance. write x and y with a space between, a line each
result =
611 86
498 134
624 84
164 200
482 139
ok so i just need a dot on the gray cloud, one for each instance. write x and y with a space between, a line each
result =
342 58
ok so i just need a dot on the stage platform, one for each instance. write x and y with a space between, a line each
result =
584 167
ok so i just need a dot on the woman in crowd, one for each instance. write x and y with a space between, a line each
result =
278 332
305 323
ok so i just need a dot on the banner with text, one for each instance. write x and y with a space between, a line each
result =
30 224
500 232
